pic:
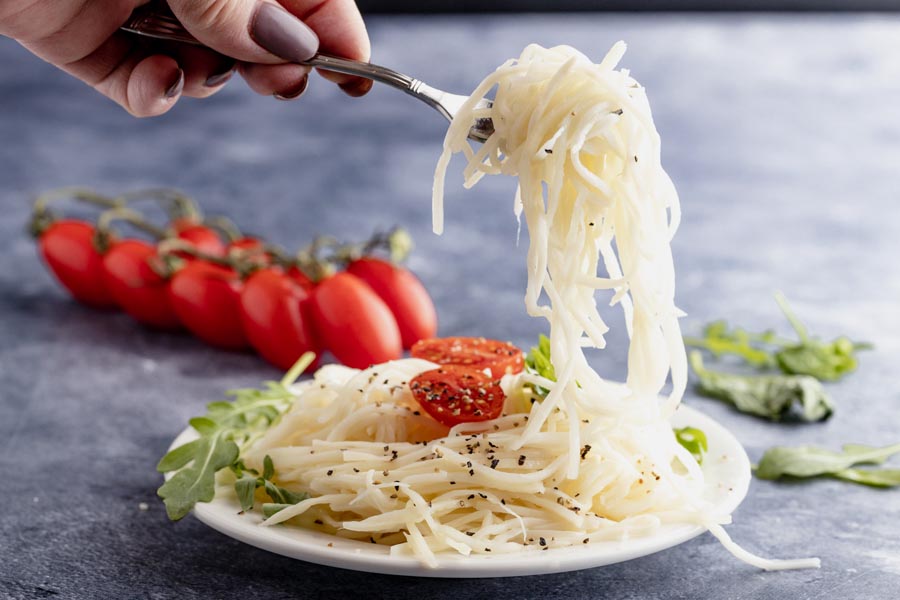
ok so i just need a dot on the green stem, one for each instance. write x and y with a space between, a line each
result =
225 226
176 204
175 245
42 216
299 367
799 327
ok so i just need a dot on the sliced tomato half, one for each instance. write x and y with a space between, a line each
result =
479 353
455 394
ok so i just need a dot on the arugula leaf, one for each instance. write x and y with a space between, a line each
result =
197 482
226 429
178 457
246 487
872 477
537 361
826 361
693 440
719 340
809 461
270 509
769 396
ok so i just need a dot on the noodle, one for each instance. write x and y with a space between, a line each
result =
594 460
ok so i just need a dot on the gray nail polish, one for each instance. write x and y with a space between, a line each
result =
294 93
219 78
281 33
177 87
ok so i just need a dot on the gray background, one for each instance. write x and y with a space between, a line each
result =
781 133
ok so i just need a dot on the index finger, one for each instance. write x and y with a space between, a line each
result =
341 32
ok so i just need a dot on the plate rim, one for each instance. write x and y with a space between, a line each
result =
221 514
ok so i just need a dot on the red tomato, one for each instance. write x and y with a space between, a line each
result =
456 394
251 250
275 314
302 278
478 353
136 287
68 249
403 293
354 323
246 243
206 298
203 238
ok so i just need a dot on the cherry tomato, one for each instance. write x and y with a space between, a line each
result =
478 353
203 238
246 243
302 278
206 298
68 249
251 250
454 394
275 314
354 323
403 293
136 287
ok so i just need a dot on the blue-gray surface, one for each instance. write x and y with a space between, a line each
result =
781 133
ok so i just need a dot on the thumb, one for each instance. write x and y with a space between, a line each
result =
258 31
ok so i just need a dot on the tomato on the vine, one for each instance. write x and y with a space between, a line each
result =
479 353
206 298
354 323
404 294
136 287
454 394
249 251
67 247
301 278
202 238
275 314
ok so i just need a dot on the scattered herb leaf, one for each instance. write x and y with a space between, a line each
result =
769 396
826 361
809 461
719 340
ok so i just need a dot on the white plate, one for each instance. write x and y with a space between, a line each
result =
726 468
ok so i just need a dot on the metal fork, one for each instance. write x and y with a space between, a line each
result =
155 20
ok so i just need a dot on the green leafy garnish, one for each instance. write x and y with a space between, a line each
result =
538 362
769 396
826 361
693 440
803 462
246 487
226 430
719 340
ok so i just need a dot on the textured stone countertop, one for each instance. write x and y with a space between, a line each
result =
781 133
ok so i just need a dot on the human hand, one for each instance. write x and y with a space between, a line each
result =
259 38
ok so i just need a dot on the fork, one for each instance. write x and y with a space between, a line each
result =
155 20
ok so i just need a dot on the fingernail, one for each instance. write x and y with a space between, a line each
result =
294 92
219 78
281 33
357 88
176 88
